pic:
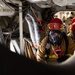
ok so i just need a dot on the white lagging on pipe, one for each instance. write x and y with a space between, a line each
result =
33 28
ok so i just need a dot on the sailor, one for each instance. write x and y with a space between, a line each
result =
56 46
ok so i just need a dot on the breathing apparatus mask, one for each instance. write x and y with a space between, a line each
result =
55 37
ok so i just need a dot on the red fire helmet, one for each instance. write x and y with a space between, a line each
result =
55 24
73 25
73 20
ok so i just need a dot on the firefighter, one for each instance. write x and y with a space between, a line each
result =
72 30
56 46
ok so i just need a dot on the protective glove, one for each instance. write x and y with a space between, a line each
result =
62 58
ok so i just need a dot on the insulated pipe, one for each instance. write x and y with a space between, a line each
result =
33 28
36 1
21 29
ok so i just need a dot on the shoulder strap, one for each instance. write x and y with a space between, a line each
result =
66 41
47 49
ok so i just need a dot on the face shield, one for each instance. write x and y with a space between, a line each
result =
55 37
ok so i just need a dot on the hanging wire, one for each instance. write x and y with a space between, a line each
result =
16 6
6 3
